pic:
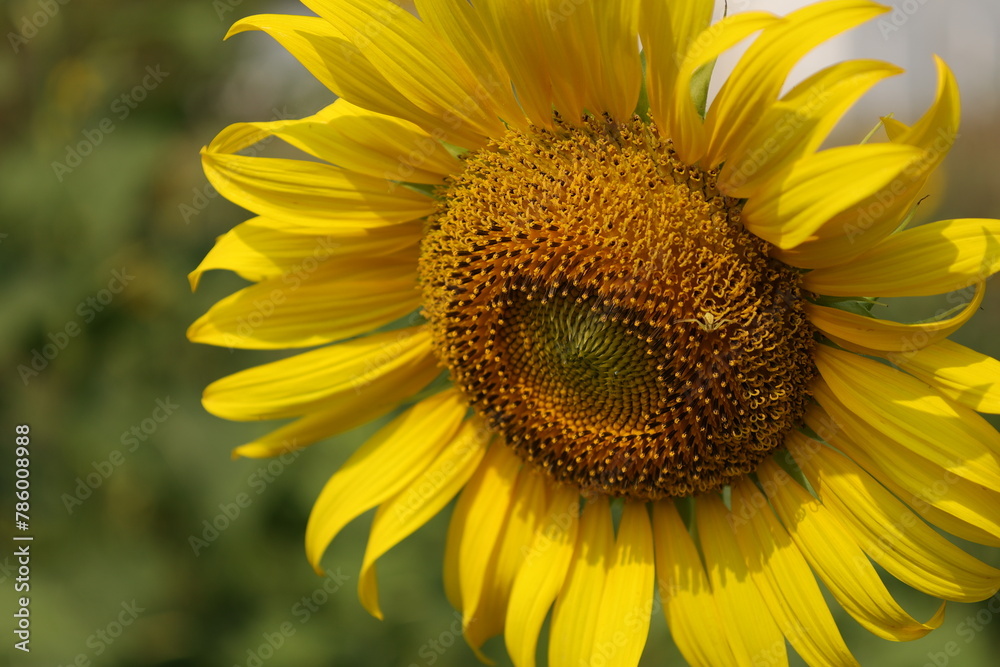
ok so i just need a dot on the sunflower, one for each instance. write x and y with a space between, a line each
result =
632 332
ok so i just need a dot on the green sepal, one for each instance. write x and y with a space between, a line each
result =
422 188
868 137
786 461
685 508
617 507
909 216
642 106
859 305
699 87
441 383
700 82
455 151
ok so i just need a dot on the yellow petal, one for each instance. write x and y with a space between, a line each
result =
518 31
929 483
419 502
894 129
889 532
785 581
961 374
337 63
348 411
593 54
564 36
937 130
464 28
305 309
627 604
319 379
667 30
680 118
483 510
452 545
374 144
798 124
542 575
911 492
839 562
885 335
930 259
790 207
615 60
861 228
568 58
382 467
688 602
528 509
260 248
311 194
321 49
415 61
354 139
752 633
758 76
910 413
574 619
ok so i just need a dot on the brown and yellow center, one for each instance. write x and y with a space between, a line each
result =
602 306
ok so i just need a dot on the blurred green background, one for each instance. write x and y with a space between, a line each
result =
103 212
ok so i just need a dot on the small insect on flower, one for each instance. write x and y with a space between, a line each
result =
709 321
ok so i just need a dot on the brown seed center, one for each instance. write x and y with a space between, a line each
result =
602 306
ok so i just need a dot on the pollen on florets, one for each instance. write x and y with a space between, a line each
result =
602 306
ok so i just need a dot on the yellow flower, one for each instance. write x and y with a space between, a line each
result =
633 336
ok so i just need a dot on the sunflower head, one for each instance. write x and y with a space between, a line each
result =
603 307
630 329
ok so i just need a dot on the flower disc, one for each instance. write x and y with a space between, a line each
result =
602 306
